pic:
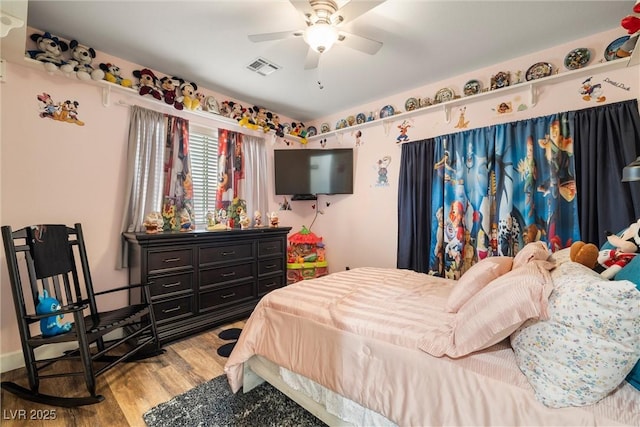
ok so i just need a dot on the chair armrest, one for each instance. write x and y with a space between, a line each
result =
121 288
64 310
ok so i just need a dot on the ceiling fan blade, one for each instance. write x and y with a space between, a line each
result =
360 43
303 7
312 59
354 9
265 37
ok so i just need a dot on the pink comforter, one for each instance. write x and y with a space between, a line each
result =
358 334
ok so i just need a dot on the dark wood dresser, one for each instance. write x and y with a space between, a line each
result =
201 279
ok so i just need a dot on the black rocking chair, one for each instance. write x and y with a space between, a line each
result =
53 258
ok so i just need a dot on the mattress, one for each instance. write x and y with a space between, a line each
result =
357 333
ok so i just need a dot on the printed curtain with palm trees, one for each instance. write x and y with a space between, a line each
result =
489 191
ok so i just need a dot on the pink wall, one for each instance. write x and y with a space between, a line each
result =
53 171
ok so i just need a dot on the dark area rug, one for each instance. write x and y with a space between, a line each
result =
213 404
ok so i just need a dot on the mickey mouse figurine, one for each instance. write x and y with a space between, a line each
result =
169 86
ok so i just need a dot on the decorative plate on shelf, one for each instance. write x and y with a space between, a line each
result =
538 71
351 120
312 131
341 124
472 87
411 104
387 111
611 50
500 80
577 58
286 128
445 94
360 118
324 128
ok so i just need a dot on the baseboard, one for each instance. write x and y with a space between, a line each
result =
15 360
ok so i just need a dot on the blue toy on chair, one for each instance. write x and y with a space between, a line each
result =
51 326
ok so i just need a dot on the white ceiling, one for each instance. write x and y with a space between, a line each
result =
424 42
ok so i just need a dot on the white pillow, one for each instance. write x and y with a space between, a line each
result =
590 342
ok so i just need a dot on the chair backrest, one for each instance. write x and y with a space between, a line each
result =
47 257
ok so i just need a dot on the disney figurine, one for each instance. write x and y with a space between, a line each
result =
52 325
153 222
185 220
273 219
257 219
243 219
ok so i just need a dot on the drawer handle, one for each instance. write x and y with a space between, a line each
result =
228 253
268 267
270 248
171 259
272 284
171 309
171 285
233 294
233 273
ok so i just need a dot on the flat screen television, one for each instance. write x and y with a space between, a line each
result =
304 173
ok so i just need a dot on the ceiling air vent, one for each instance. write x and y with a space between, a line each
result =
263 67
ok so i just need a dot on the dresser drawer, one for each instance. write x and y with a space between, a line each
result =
272 265
162 285
267 285
218 254
174 308
270 247
223 296
162 260
226 274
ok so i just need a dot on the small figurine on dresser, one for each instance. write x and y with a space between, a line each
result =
257 219
273 219
244 219
185 221
153 222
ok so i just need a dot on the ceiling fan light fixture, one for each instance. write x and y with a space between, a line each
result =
320 37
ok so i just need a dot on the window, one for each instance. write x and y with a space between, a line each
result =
203 153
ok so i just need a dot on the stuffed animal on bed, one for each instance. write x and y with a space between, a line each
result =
620 250
52 325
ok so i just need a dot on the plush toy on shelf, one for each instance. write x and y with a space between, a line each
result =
630 23
188 95
49 51
80 62
169 86
52 325
148 83
112 74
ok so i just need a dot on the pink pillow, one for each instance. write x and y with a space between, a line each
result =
476 278
531 251
494 313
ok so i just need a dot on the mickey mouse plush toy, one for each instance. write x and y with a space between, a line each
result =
82 56
169 86
148 83
49 50
188 95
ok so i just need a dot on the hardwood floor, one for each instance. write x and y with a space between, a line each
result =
130 389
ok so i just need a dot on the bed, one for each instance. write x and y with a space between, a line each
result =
505 345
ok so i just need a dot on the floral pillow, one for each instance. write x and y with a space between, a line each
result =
589 343
476 278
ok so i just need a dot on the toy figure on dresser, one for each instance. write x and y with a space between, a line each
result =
153 222
223 220
82 56
185 221
148 83
273 219
257 219
244 219
112 75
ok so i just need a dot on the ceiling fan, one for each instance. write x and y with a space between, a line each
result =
323 18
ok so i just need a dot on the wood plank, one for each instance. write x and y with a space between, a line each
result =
130 389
